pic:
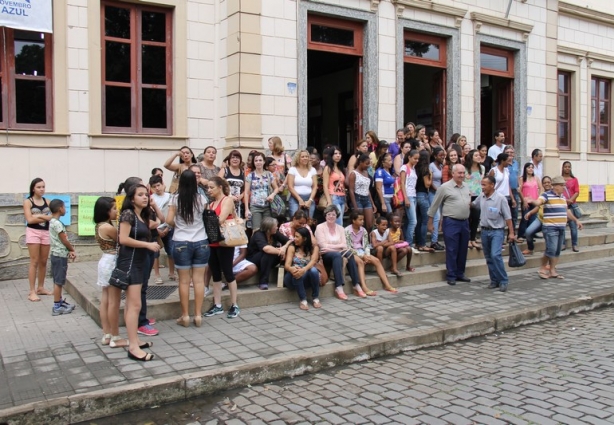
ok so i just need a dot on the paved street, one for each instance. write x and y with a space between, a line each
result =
556 372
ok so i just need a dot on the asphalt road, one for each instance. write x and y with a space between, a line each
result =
555 372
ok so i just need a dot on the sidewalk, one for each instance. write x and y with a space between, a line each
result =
45 358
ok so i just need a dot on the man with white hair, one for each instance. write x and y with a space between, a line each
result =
455 199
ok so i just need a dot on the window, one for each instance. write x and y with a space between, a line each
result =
497 62
25 80
564 111
600 115
136 69
334 35
424 49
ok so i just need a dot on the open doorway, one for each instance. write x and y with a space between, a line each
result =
497 108
424 96
333 95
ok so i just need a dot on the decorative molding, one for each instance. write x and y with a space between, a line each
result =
571 51
430 5
585 13
482 18
400 8
458 21
374 5
477 26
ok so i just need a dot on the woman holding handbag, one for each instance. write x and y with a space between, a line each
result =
134 241
190 245
260 189
571 192
221 256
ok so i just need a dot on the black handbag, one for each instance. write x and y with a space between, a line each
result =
119 278
212 226
516 257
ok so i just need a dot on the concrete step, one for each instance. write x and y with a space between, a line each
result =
594 223
81 284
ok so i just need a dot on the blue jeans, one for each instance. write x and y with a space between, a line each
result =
422 207
335 260
533 228
524 224
436 217
554 237
514 211
339 202
573 227
311 279
293 205
189 255
410 212
492 241
456 238
147 267
388 202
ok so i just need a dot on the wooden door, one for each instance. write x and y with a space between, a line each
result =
505 109
358 91
439 103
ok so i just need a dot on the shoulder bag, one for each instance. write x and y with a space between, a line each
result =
119 278
212 225
233 232
575 209
516 258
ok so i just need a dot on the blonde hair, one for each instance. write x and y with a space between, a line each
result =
278 146
297 158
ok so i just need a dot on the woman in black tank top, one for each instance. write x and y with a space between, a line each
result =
37 213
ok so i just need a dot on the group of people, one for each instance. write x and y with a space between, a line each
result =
294 209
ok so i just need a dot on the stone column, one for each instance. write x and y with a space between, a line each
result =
551 154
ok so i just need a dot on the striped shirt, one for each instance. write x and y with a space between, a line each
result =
555 209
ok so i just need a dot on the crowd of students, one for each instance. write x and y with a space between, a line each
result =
294 209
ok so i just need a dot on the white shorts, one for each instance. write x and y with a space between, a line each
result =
105 268
242 265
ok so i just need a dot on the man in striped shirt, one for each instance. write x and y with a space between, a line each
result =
556 215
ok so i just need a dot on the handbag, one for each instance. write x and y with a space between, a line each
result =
233 232
516 257
397 199
322 203
323 274
174 183
212 225
278 206
119 278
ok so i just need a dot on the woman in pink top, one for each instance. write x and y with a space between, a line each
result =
530 189
334 183
571 192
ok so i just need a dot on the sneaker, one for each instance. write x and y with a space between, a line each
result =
437 247
147 330
415 251
58 310
233 312
214 311
208 291
152 321
67 305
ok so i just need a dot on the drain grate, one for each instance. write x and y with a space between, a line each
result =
157 292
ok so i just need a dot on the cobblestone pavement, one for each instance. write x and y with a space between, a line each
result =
45 357
556 372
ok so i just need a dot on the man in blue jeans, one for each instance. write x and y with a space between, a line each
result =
494 215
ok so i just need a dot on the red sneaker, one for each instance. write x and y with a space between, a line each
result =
148 330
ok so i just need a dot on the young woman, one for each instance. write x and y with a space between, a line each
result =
302 183
357 239
485 160
37 212
531 188
282 161
422 138
453 140
384 183
501 173
207 166
466 149
451 159
382 148
134 243
372 141
190 245
260 188
105 233
334 183
360 196
461 141
434 141
315 163
186 158
222 257
299 221
571 192
301 258
362 148
436 167
235 177
398 160
423 183
267 248
409 179
474 172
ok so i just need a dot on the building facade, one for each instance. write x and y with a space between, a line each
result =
120 85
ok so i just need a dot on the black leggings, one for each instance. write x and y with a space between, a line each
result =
474 220
265 263
221 261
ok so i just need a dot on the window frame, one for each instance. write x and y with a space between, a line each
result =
442 42
598 124
508 54
356 27
136 78
9 77
568 122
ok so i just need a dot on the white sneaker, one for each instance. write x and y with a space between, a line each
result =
415 251
208 291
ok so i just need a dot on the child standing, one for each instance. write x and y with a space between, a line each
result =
396 237
163 199
61 251
358 241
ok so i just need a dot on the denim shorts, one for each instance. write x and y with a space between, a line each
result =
363 202
59 268
189 255
553 237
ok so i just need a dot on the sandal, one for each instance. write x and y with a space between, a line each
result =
147 357
183 321
317 303
426 249
395 272
557 276
391 290
198 320
303 305
371 293
543 274
359 293
470 246
527 252
115 342
106 339
158 280
172 277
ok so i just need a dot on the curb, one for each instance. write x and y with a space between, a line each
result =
107 402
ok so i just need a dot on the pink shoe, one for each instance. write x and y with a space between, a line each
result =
359 293
341 295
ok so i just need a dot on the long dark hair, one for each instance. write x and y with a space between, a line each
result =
422 167
191 151
307 242
129 203
330 163
436 152
34 183
380 161
187 196
524 171
570 173
409 155
102 207
220 182
127 185
469 161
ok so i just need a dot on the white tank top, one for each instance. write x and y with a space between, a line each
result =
502 185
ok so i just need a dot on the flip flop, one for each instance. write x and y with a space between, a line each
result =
391 290
371 293
557 276
543 275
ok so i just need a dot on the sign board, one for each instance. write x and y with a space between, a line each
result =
583 196
86 225
598 193
28 15
609 192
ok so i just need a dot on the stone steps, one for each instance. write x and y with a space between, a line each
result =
81 285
